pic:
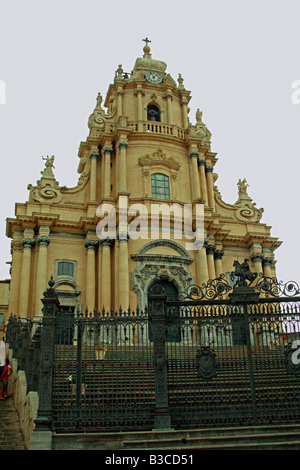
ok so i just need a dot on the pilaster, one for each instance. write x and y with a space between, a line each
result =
194 175
210 187
210 251
201 265
43 242
218 255
122 167
91 247
202 177
122 238
28 244
106 244
107 152
93 175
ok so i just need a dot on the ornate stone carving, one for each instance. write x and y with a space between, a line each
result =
218 254
16 245
106 241
123 145
43 241
97 118
91 244
170 268
159 158
245 209
28 243
47 189
201 130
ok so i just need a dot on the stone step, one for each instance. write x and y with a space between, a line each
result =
243 437
215 442
11 437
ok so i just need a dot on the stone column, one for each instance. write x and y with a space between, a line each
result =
201 266
90 294
139 94
218 262
169 105
107 151
16 270
210 187
41 275
257 259
120 101
123 270
267 263
122 167
195 177
28 244
185 113
106 273
93 175
210 251
202 177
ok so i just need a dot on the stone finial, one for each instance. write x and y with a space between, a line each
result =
180 82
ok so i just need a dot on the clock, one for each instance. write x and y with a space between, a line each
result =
153 77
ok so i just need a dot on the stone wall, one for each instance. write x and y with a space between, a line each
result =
25 403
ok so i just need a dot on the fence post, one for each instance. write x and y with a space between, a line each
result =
41 437
157 298
243 296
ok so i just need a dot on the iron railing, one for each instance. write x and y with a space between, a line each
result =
221 355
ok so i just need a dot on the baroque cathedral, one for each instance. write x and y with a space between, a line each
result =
141 150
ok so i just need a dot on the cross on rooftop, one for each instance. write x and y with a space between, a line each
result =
146 41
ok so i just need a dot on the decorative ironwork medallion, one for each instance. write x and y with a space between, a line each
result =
206 362
292 358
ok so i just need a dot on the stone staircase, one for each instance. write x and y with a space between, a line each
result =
279 437
11 437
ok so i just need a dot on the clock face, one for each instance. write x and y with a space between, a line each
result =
153 77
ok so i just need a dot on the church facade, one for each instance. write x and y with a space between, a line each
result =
142 153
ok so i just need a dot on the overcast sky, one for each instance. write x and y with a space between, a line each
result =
239 58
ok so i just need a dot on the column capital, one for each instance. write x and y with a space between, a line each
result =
94 155
257 257
210 249
28 243
106 241
43 240
219 254
194 153
123 145
91 244
267 261
107 150
201 162
209 169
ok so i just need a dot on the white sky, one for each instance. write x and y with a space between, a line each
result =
239 59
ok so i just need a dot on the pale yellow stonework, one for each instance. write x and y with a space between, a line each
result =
123 150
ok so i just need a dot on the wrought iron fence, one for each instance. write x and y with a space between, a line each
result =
218 356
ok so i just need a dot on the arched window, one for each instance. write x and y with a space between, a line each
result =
153 113
160 188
